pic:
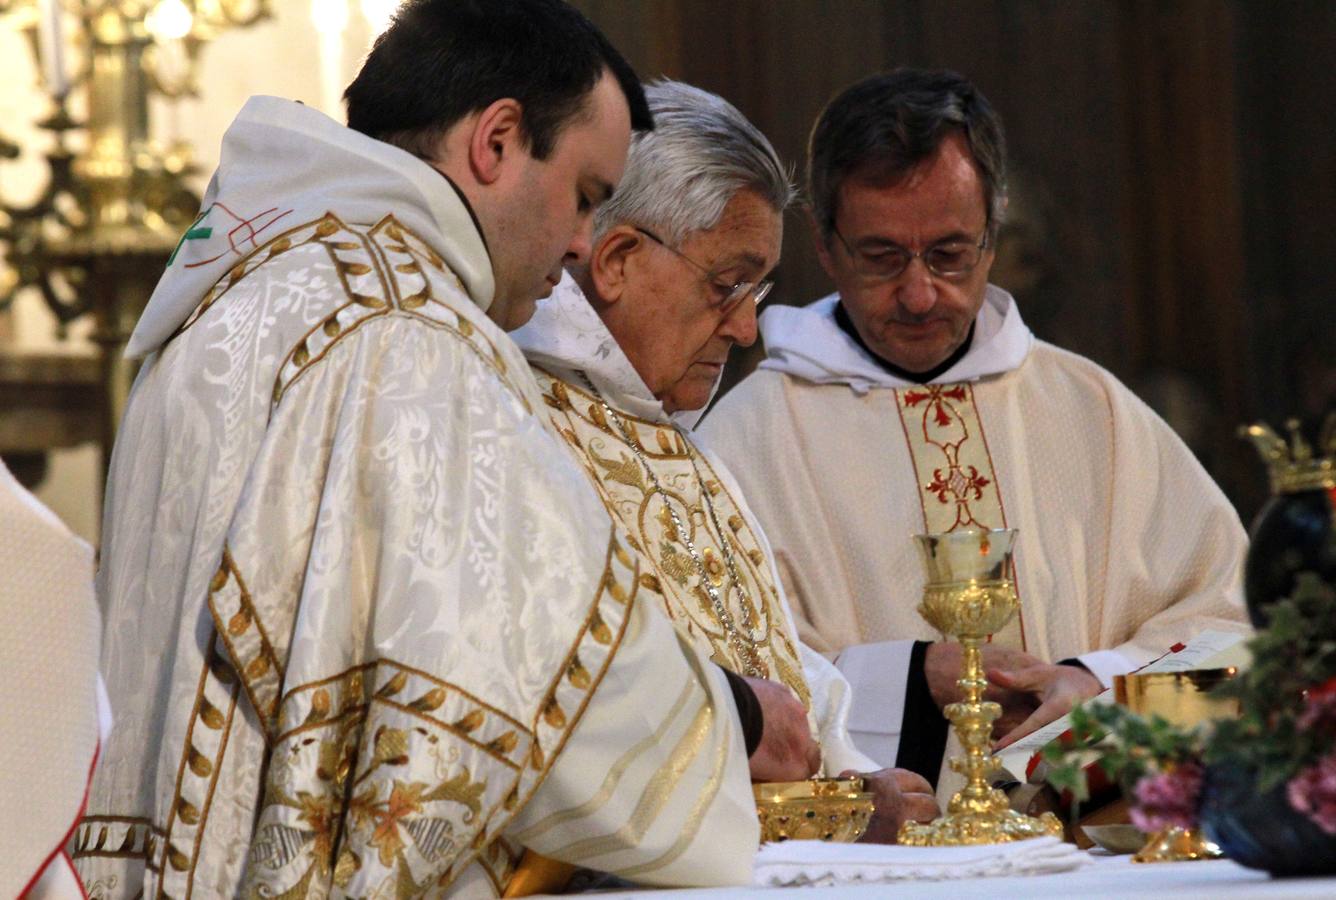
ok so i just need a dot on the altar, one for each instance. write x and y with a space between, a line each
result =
1105 875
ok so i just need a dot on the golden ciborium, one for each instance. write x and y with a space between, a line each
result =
1183 699
818 809
970 595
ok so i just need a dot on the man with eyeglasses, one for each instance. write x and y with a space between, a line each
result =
916 399
629 351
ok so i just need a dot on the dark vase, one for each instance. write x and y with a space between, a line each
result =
1294 532
1262 831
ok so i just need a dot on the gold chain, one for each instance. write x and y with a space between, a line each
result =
744 645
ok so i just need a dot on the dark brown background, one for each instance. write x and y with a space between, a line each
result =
1173 163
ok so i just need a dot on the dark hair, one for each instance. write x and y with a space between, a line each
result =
894 122
441 60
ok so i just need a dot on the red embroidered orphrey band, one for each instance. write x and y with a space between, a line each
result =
953 469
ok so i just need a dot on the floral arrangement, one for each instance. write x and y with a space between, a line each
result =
1286 733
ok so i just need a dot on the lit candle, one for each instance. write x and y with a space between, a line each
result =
51 45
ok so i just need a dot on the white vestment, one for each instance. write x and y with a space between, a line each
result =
365 620
52 710
1126 545
579 365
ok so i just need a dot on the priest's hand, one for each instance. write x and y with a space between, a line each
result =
941 668
787 751
1057 688
900 796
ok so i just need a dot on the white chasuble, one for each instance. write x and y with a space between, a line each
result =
365 622
580 368
1125 544
52 709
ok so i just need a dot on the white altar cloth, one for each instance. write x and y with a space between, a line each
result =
1107 877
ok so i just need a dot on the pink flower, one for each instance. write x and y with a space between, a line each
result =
1319 709
1313 792
1167 798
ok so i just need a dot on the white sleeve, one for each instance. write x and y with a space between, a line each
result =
654 784
831 699
878 675
1104 664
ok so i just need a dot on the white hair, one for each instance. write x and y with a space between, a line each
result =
680 176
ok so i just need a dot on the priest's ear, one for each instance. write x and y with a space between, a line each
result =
613 262
496 139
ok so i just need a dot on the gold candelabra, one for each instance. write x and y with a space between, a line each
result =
970 594
98 236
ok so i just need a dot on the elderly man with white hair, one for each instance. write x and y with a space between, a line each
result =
632 347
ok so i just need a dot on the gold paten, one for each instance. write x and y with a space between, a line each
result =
819 809
1174 844
970 595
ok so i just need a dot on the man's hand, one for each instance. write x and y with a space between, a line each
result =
1058 688
941 667
787 751
900 796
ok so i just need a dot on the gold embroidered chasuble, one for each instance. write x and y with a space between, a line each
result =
353 644
579 367
686 478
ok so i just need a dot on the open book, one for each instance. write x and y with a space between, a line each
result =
1208 650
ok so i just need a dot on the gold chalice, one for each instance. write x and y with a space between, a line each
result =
818 809
970 595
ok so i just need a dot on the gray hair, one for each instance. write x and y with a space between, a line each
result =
895 121
680 176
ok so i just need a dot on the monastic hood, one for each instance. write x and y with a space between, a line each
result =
807 343
566 336
284 164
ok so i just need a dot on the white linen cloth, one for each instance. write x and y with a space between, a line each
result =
822 864
52 709
567 342
365 621
1126 545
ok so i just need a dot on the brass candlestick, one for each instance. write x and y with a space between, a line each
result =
970 595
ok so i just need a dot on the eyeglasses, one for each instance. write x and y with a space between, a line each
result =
730 296
951 259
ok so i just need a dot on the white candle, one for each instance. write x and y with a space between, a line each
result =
330 18
51 45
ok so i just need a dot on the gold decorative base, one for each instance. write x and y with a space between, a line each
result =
1176 844
959 830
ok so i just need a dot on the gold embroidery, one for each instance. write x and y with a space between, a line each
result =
243 634
125 837
674 576
280 244
394 777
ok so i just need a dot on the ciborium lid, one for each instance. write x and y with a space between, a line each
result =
1296 466
966 555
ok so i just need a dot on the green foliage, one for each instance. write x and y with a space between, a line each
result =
1294 655
1126 746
